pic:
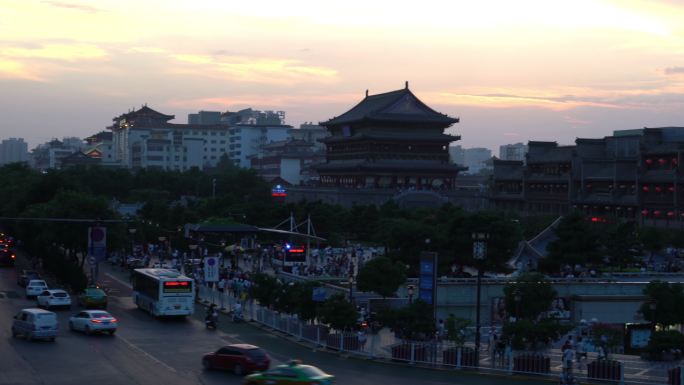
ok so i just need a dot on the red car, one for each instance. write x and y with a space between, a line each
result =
239 358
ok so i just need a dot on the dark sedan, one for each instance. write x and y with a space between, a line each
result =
239 358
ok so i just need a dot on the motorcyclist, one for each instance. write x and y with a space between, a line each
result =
212 314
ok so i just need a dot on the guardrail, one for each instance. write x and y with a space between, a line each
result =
442 353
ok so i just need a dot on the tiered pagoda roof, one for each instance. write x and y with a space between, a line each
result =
395 106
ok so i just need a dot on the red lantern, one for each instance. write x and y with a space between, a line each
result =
656 213
644 212
670 213
649 161
662 161
645 188
659 189
670 189
674 161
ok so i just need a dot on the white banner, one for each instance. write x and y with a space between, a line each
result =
211 269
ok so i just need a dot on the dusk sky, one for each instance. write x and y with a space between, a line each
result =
513 71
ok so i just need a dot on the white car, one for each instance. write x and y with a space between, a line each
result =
93 321
52 298
35 287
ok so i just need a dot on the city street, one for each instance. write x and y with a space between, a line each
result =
151 351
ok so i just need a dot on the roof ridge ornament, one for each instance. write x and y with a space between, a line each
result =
406 85
366 92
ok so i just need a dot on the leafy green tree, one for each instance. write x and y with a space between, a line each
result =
652 239
577 243
535 295
339 313
527 334
456 329
382 276
265 289
668 299
621 243
414 322
307 308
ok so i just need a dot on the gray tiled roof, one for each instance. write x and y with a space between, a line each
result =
381 107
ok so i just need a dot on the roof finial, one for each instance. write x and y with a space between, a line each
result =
407 84
366 92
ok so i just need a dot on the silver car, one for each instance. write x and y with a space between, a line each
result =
53 298
93 321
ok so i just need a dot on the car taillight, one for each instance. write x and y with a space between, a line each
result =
95 321
14 256
114 320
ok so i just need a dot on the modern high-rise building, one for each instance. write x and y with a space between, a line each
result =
475 159
13 150
515 151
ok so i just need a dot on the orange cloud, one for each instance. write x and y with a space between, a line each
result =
258 70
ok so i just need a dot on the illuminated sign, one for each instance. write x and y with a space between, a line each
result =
177 287
278 191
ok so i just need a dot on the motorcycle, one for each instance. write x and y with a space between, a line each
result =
211 320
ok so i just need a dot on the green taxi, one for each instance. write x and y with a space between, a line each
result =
93 297
294 373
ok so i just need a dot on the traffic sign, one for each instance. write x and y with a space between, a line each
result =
211 269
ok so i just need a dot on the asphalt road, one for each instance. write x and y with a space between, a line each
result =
146 350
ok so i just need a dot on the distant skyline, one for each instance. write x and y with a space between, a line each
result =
511 71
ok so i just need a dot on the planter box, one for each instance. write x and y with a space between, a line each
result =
349 341
604 370
402 352
532 363
468 357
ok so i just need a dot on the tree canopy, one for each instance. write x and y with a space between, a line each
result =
382 276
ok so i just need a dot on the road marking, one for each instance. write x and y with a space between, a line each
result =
146 354
128 285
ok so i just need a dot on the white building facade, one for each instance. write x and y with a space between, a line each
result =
145 139
515 151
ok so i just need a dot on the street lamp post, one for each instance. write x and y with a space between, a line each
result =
161 247
351 287
192 248
517 298
132 232
410 289
479 254
653 305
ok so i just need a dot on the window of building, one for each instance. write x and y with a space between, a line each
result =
204 133
213 142
213 133
213 150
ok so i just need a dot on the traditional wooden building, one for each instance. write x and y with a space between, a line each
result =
389 140
633 174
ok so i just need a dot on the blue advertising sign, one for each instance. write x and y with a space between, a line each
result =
319 294
427 277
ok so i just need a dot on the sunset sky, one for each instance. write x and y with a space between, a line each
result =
511 70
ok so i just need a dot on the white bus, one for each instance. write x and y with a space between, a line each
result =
163 292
